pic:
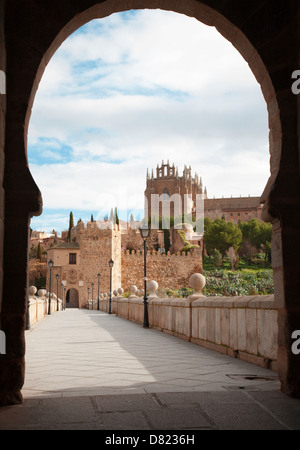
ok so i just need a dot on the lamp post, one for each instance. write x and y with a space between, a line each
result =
111 264
98 289
145 230
50 265
57 277
92 295
62 295
89 297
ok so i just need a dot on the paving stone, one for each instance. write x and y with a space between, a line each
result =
138 402
219 398
241 416
178 419
129 420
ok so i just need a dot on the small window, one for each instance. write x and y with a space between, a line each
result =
72 258
166 195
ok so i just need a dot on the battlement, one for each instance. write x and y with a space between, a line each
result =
104 229
171 271
193 253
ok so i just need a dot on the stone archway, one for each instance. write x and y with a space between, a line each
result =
72 298
266 33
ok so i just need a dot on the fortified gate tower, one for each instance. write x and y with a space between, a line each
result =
77 263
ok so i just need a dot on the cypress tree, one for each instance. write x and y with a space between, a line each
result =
71 225
39 252
116 216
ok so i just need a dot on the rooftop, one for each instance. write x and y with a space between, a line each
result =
66 245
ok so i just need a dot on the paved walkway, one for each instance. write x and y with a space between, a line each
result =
90 370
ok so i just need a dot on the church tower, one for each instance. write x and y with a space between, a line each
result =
168 194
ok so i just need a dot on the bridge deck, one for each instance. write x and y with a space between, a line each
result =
90 370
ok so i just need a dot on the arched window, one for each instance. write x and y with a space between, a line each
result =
166 195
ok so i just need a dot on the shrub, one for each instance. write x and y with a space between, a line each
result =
185 292
217 258
246 282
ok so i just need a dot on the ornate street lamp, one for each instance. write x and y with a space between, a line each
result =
92 295
57 277
50 265
145 231
98 289
62 295
111 265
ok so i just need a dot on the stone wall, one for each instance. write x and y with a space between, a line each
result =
170 271
241 327
234 209
97 247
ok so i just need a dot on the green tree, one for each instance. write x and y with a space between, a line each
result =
39 253
116 216
71 225
258 234
207 223
222 235
217 258
33 252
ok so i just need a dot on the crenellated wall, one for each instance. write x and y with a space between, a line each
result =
170 271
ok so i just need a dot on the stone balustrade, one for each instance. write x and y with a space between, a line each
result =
241 327
38 304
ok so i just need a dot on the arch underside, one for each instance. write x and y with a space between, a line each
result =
265 32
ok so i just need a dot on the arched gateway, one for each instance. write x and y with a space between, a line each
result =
265 32
72 298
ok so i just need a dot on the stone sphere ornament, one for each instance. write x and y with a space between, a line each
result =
32 290
133 289
120 291
152 288
197 282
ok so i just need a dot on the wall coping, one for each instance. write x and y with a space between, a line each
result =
254 302
152 253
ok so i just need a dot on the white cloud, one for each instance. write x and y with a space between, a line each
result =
130 90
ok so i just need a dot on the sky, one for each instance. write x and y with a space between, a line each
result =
125 92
